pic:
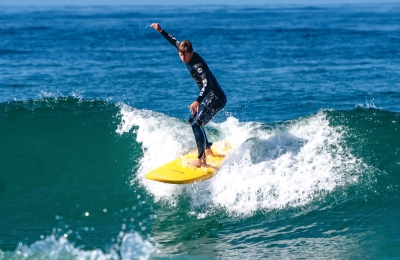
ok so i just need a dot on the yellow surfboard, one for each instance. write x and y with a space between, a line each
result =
179 171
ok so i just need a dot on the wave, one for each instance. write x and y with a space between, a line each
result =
58 148
273 165
129 246
61 135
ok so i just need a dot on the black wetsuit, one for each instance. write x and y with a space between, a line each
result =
211 97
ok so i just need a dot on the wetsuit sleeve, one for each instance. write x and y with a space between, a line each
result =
205 86
170 38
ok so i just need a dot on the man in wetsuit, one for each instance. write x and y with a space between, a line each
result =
210 100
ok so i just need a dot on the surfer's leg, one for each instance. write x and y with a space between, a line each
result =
207 110
208 144
208 151
196 121
201 145
212 110
200 138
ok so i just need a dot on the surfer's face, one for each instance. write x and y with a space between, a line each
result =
185 56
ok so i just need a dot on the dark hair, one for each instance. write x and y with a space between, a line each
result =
185 46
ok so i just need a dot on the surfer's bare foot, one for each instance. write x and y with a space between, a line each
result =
209 152
199 162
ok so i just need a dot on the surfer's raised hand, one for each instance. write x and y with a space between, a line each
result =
156 26
194 107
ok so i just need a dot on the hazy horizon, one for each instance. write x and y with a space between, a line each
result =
180 2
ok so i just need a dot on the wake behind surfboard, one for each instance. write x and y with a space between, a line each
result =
179 171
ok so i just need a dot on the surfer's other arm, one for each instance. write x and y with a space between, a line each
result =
166 35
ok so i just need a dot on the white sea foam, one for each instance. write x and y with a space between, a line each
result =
131 246
163 139
271 167
289 166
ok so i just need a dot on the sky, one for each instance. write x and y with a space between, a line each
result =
184 2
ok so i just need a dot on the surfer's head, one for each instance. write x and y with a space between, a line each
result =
185 50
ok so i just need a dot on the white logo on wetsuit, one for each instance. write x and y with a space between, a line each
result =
202 90
200 70
204 82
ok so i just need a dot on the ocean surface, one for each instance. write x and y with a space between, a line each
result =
92 98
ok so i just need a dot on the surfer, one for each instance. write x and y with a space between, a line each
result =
210 100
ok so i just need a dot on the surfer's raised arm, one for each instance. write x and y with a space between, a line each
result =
166 35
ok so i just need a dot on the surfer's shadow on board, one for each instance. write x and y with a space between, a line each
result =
270 149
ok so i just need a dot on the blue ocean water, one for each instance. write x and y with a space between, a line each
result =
92 98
